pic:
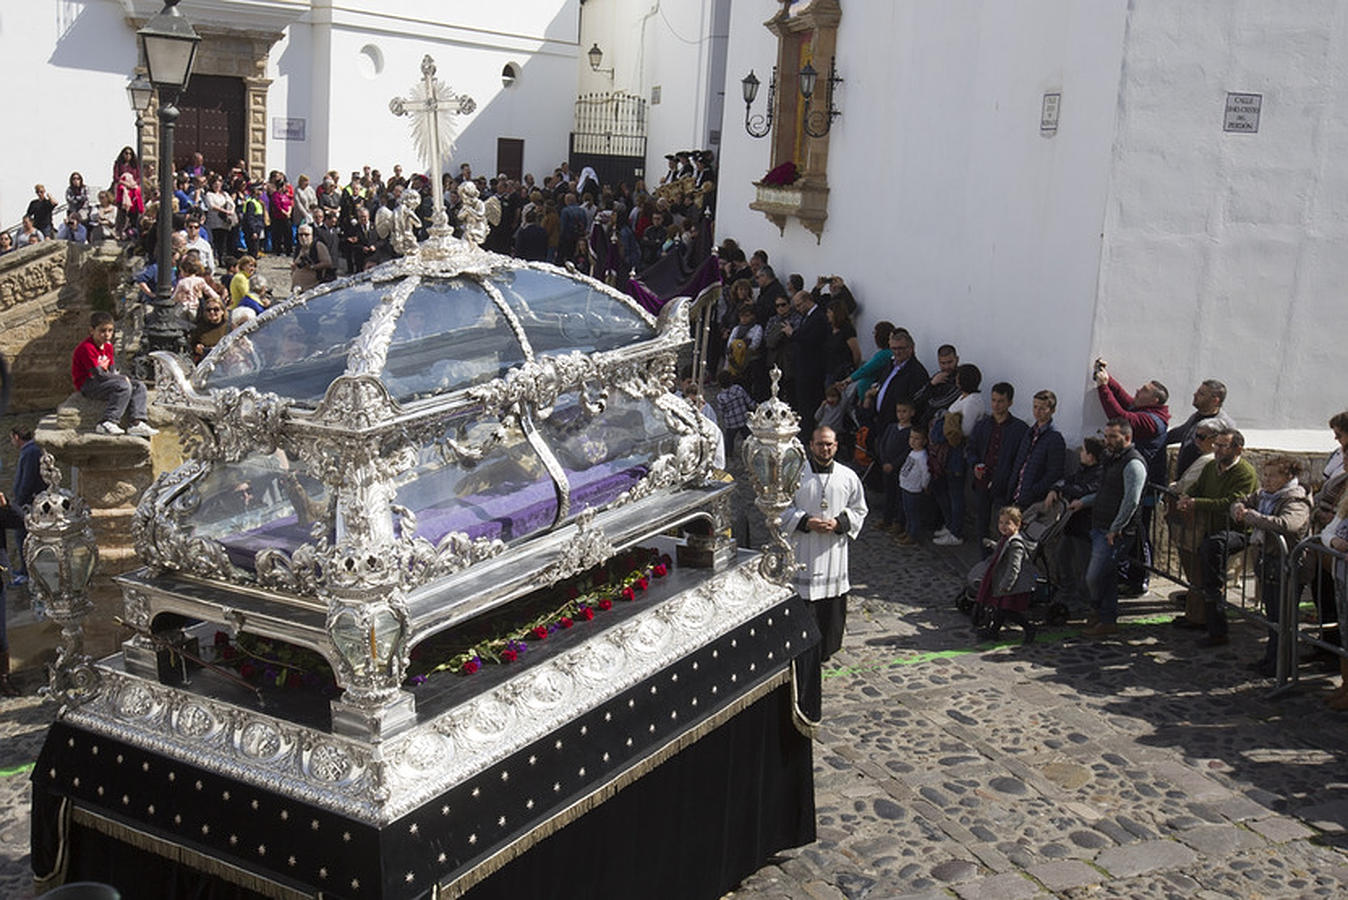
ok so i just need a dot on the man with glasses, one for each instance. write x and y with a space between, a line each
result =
780 352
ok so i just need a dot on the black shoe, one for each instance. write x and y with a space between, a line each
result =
1028 638
1213 640
986 635
1187 624
1131 591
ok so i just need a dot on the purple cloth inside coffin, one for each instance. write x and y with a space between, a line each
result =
501 515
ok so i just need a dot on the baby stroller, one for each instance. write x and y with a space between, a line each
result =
1042 527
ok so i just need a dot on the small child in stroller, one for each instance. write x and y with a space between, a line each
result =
1008 581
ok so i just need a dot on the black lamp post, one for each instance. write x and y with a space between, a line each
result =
817 122
169 45
139 91
758 126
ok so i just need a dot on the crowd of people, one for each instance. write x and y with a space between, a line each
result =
929 441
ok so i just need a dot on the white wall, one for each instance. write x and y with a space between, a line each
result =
949 213
357 127
64 104
678 47
1224 253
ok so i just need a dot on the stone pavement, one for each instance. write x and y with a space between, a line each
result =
1137 767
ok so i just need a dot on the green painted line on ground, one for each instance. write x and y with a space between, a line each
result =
17 770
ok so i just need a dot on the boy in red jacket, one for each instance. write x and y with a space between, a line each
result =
93 368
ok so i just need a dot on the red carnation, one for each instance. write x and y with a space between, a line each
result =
509 655
471 666
247 670
606 604
540 632
587 614
642 583
660 570
566 622
629 594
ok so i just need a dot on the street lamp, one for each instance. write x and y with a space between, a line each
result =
596 57
169 44
758 126
809 78
139 91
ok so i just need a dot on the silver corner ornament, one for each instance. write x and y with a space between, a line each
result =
774 457
61 555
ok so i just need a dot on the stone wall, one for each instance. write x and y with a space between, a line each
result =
46 294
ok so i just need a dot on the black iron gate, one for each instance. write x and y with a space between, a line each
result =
610 136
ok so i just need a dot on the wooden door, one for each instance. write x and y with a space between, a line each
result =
510 157
211 122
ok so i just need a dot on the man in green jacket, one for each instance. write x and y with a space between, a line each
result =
1228 478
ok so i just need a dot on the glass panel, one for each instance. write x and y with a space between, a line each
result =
82 560
449 336
46 568
507 495
264 500
299 353
604 454
561 314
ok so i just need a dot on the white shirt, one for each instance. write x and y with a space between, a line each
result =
824 556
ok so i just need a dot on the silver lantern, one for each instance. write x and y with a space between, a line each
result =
61 556
775 459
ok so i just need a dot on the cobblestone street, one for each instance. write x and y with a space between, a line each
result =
1134 767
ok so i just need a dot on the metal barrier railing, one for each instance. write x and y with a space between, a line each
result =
1313 564
1259 576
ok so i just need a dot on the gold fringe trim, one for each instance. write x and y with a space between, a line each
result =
605 792
57 876
804 724
194 859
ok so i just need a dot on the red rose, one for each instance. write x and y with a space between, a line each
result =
660 570
540 632
247 670
606 604
221 638
228 653
471 666
509 655
629 594
643 583
566 622
587 614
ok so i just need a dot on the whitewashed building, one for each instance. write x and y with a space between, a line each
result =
1047 181
296 85
304 85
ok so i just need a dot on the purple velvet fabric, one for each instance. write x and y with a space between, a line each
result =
506 516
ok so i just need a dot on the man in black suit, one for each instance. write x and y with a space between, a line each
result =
330 236
360 240
808 338
905 378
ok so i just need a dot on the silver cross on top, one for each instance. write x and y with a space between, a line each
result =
431 104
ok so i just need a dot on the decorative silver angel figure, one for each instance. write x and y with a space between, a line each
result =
405 223
472 214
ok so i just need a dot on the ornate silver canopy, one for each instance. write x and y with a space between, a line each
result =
356 450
